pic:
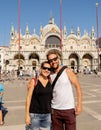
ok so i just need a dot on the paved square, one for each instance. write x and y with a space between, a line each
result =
90 118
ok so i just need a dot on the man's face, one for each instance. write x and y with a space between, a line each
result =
53 60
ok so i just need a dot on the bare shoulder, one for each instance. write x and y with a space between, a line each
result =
69 70
30 83
70 73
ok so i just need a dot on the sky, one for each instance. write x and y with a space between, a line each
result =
75 13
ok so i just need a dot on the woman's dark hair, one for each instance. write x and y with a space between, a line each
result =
44 62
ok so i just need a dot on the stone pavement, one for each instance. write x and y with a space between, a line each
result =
13 127
15 95
14 102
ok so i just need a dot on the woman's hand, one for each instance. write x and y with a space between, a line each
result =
27 120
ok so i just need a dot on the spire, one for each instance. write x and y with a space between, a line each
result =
85 33
92 33
51 21
41 29
12 29
27 30
71 31
34 31
78 31
12 33
65 30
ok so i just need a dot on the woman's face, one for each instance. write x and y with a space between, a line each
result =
46 69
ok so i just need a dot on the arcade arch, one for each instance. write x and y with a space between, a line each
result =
74 61
19 60
87 62
33 60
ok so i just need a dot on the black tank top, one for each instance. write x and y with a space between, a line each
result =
41 99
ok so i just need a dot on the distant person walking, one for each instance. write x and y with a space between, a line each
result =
20 74
1 96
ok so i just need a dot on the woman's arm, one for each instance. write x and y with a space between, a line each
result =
28 101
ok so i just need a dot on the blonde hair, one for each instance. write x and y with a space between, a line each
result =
54 51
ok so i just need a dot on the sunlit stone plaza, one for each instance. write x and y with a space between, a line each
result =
15 96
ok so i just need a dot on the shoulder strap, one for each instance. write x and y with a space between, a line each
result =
58 74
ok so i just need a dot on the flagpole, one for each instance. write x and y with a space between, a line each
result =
97 30
61 28
61 25
19 32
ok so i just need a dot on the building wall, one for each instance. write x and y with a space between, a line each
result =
78 51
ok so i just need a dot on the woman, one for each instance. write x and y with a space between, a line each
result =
38 102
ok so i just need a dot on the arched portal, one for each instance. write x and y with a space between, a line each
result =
74 61
87 61
19 61
33 60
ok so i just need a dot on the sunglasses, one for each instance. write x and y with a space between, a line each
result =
46 68
54 59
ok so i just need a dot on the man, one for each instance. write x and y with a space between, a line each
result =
63 108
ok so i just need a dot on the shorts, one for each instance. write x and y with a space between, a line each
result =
40 121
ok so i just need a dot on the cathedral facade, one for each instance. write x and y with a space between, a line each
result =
78 52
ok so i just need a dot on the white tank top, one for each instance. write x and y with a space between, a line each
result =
62 93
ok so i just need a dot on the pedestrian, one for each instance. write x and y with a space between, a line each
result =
38 102
63 109
20 74
1 96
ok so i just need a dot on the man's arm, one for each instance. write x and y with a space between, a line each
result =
74 80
